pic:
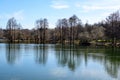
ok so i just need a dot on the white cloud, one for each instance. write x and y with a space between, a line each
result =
77 5
88 8
111 5
59 6
19 15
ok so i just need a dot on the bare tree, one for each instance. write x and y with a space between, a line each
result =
73 22
41 26
11 27
112 27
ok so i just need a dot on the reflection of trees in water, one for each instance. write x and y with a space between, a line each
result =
12 53
109 58
41 54
112 66
67 57
112 62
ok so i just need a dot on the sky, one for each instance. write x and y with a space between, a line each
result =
26 12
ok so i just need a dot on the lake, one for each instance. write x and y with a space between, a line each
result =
56 62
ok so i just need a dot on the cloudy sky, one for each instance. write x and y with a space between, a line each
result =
28 11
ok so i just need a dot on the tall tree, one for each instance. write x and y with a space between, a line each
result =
73 22
11 27
45 32
62 30
41 26
112 27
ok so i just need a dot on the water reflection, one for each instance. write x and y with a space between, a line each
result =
12 53
41 53
108 58
112 62
72 58
67 57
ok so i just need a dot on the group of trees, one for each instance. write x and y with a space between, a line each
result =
12 31
41 31
15 33
73 31
70 30
112 27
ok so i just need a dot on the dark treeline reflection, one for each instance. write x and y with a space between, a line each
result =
72 58
112 62
41 53
12 53
108 58
67 57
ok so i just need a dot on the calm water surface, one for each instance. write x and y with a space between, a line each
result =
51 62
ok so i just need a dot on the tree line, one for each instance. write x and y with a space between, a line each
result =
67 31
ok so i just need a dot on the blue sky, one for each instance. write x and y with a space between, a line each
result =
28 11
